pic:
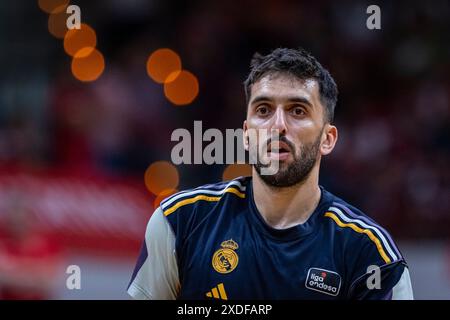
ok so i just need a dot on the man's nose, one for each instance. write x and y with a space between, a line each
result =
279 123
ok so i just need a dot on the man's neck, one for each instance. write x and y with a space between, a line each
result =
282 208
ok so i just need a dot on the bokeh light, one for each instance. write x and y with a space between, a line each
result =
88 64
235 170
162 195
77 39
53 6
183 89
160 176
57 22
162 63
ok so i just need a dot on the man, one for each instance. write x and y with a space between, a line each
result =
273 236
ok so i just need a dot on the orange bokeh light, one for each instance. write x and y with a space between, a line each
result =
162 195
236 170
183 89
160 176
88 64
57 22
77 39
162 63
53 6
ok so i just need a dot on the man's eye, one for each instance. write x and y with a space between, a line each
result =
262 110
298 111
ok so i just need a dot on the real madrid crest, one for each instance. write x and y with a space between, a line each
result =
226 259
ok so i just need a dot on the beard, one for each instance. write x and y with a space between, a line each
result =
295 172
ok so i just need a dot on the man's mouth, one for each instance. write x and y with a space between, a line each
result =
279 151
279 147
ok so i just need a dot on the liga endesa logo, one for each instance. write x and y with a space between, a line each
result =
324 281
260 144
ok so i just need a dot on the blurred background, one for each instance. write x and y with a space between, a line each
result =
86 119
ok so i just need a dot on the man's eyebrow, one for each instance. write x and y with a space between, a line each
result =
300 100
297 99
260 99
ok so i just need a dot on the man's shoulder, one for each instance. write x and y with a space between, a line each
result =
203 197
362 231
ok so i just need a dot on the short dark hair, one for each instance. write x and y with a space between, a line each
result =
299 63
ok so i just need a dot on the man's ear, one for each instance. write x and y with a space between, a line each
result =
329 139
245 135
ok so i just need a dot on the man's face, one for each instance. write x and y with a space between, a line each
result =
290 107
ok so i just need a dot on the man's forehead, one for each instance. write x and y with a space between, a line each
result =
285 85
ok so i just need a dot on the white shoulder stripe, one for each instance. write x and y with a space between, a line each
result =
364 225
353 215
236 183
211 187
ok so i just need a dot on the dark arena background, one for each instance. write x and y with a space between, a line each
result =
86 118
